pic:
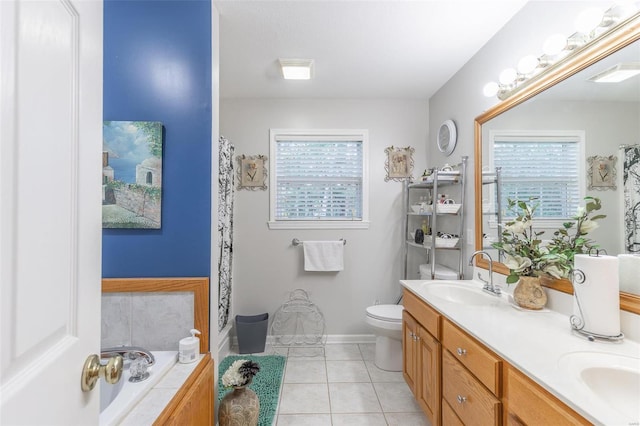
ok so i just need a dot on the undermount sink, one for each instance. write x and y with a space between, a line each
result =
467 293
611 378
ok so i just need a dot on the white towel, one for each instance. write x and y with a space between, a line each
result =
323 255
629 273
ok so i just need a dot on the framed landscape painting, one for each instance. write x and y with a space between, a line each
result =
132 174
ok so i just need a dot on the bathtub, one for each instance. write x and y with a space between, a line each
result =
117 400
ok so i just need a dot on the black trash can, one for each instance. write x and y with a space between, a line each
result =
252 333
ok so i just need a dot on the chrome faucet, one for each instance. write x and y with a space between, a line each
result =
130 352
489 287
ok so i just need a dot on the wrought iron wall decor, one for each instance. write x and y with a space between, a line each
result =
399 163
252 172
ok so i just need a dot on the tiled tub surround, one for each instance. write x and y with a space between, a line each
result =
533 342
154 402
156 313
155 320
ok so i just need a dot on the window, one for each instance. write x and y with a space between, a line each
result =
318 179
547 165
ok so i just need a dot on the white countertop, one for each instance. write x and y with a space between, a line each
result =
534 342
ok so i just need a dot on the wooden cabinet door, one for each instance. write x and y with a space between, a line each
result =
429 375
409 352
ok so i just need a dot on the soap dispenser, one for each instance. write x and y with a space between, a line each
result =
189 348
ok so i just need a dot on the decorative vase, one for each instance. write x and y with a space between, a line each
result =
239 407
529 294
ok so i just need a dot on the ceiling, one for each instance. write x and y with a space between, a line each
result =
362 49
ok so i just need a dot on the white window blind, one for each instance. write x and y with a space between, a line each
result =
544 166
318 177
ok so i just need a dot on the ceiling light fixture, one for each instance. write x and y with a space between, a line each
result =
297 69
617 73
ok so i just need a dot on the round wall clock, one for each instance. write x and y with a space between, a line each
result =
447 137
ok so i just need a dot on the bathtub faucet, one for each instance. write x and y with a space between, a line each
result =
130 352
489 287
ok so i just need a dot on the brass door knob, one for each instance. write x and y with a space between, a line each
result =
93 370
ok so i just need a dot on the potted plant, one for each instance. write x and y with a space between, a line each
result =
521 246
528 258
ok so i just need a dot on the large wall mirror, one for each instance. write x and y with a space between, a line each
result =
563 101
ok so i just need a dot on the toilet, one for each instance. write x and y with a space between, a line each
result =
386 322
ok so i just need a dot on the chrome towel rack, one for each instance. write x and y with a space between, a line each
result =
297 242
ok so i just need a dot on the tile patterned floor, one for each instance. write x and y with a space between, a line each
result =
343 387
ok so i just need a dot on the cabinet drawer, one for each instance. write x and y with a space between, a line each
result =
482 363
423 313
469 399
529 403
449 417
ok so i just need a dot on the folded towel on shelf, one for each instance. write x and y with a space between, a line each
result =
323 255
629 273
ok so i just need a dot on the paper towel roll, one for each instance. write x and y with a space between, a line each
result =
598 294
629 273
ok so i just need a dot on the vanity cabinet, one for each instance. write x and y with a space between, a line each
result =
193 404
421 352
527 403
459 381
470 378
445 222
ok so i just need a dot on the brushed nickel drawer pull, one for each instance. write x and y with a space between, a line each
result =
461 351
461 399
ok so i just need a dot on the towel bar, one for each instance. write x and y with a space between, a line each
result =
297 242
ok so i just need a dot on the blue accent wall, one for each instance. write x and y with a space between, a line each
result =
157 67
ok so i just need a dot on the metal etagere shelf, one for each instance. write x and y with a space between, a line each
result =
445 234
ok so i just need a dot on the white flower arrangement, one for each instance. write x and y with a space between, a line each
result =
525 256
240 373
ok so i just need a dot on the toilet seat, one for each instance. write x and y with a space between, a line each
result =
391 313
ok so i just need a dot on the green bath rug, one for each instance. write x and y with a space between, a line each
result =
266 384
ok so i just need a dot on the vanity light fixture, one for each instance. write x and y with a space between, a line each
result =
590 25
297 69
617 73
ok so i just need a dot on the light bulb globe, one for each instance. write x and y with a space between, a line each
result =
490 89
588 20
508 76
554 44
527 64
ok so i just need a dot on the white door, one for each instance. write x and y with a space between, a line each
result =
50 208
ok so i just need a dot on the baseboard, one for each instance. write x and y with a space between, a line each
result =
225 342
332 339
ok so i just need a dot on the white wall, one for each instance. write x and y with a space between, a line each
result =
266 266
461 98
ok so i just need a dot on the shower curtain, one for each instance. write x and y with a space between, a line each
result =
225 229
631 184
